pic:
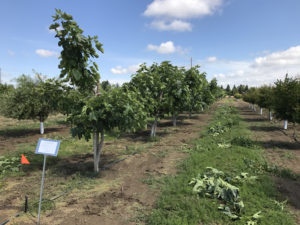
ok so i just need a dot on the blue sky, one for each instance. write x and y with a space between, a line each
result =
237 41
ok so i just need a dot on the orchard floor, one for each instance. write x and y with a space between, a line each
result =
120 195
281 149
14 133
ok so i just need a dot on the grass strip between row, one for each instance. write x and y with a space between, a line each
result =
226 145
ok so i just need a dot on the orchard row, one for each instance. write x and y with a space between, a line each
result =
93 109
281 99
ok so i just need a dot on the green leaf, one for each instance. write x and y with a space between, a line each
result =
77 74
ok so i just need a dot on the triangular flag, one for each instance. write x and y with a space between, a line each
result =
24 160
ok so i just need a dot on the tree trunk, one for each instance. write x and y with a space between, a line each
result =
41 125
174 119
97 149
270 115
285 125
294 134
261 111
254 109
153 128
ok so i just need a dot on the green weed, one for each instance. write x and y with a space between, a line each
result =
179 205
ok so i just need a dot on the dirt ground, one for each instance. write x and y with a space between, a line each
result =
10 137
281 149
121 195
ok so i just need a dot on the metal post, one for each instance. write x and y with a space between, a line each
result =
26 204
42 187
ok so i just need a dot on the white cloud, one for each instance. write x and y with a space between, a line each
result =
127 70
170 14
289 57
262 70
11 53
118 81
166 48
175 25
182 9
45 53
211 59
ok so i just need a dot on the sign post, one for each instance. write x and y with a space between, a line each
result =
45 147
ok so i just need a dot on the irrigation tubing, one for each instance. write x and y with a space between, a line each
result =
69 189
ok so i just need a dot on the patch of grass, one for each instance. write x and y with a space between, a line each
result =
33 205
12 126
160 153
178 204
153 139
243 141
129 150
288 155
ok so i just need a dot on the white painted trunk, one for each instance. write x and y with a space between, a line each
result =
153 128
285 125
270 115
261 111
254 108
174 119
42 127
97 149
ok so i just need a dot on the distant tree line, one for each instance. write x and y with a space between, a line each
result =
236 91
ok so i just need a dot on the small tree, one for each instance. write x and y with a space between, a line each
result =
33 99
265 98
198 89
251 96
117 108
76 65
176 93
150 83
96 112
228 90
234 90
287 99
5 90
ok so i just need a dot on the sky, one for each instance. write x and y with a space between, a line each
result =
251 42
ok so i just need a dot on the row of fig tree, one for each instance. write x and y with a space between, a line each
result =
93 108
282 98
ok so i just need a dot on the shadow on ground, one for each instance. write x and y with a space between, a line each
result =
290 189
14 133
265 129
280 144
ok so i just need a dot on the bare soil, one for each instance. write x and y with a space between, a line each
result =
11 135
281 149
120 195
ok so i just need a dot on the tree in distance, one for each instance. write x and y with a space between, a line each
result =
32 99
287 99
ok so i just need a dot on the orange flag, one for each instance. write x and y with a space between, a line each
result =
24 160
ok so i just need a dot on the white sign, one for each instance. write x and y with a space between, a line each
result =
47 147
